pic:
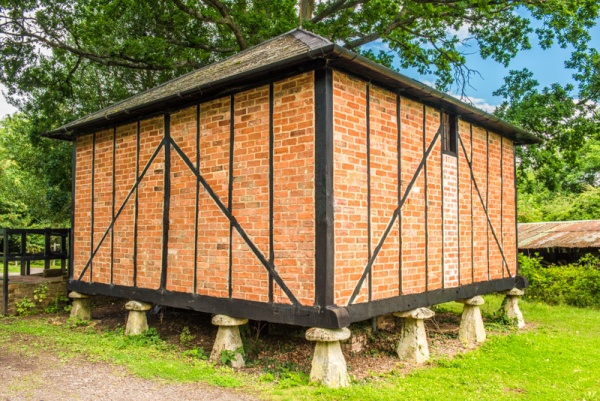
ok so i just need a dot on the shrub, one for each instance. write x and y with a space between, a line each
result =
576 284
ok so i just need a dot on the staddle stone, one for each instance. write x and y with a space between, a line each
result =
413 344
328 364
471 323
82 306
137 323
229 340
511 306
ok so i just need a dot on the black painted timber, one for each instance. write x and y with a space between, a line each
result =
324 230
362 311
368 154
271 190
329 317
166 202
136 205
73 175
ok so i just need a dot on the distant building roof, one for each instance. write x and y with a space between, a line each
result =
561 234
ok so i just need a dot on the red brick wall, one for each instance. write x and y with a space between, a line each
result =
467 198
102 204
213 225
349 185
182 207
151 198
413 211
384 190
293 191
83 194
250 203
430 238
125 162
451 221
449 211
509 235
293 187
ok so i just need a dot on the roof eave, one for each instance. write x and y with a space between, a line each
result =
69 132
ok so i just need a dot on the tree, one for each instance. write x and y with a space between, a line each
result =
559 178
35 185
82 55
64 59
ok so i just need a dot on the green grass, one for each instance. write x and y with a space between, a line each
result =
557 359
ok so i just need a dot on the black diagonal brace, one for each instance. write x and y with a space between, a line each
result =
393 219
487 216
235 224
112 223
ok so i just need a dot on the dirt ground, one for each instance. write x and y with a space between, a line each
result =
270 349
45 377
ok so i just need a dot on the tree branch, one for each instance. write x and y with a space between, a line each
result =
237 32
335 7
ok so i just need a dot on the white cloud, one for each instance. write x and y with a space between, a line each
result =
461 33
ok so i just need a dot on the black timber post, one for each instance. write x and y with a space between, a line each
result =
72 232
324 230
166 202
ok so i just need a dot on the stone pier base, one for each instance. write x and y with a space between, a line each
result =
471 324
136 319
511 306
413 345
228 340
82 306
328 364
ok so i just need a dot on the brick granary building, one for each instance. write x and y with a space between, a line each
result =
295 182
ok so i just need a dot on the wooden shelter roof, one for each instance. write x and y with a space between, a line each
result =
562 234
291 52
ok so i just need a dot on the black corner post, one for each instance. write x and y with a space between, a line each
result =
324 230
166 202
72 233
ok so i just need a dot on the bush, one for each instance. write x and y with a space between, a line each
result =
576 284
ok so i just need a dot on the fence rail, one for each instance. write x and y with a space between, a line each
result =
19 245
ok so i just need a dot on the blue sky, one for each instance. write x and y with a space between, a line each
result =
547 66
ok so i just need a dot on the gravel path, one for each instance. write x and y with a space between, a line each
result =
25 377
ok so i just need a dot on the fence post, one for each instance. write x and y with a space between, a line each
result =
24 265
5 275
47 249
63 250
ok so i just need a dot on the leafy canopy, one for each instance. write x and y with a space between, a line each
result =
64 59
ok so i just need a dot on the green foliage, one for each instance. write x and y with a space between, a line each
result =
59 304
35 177
72 58
228 356
25 307
98 52
576 284
186 337
40 292
196 353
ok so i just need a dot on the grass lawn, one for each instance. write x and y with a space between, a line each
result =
557 358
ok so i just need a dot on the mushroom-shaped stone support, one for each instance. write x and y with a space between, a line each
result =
328 364
471 324
413 341
136 318
82 306
228 340
511 306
